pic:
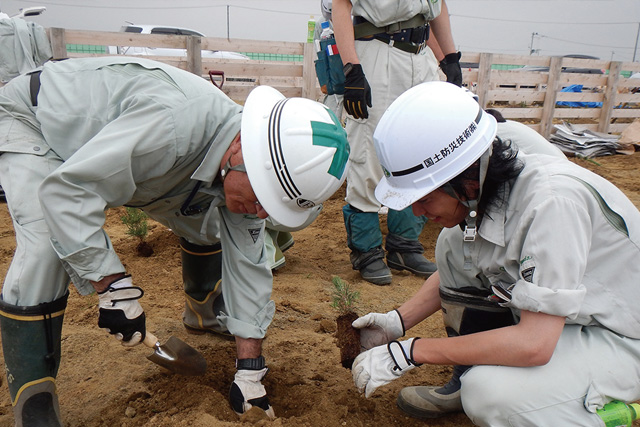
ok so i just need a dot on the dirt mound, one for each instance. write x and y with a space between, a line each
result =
103 384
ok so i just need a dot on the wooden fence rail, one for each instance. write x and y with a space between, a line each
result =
523 88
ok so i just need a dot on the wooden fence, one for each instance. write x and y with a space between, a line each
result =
513 85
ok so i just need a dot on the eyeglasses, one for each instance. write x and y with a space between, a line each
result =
240 167
228 168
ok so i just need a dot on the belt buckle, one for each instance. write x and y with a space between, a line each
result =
421 46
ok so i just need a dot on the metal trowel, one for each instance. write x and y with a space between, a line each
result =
176 356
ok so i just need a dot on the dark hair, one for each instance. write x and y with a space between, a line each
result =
497 114
504 167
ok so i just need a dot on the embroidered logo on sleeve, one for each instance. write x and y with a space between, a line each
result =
254 233
527 268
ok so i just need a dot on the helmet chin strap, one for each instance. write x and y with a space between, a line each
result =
470 222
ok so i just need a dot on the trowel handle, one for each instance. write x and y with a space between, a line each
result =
150 340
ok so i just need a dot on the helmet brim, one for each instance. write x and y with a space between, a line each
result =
396 198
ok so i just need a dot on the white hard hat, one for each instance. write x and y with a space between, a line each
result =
295 151
428 135
472 94
326 6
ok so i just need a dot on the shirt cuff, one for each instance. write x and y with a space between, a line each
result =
557 302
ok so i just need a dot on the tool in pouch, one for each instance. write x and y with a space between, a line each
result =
329 64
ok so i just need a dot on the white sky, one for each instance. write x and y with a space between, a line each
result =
607 29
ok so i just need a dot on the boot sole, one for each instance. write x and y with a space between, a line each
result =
279 264
415 412
400 267
379 281
286 245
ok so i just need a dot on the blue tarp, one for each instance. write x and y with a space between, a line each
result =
577 89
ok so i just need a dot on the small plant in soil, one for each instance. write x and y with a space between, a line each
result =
344 301
137 226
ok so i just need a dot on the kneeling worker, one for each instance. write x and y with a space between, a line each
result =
537 273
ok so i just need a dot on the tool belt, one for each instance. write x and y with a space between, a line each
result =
34 87
409 36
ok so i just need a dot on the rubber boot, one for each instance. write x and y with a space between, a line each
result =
284 240
466 311
202 278
276 243
364 238
31 338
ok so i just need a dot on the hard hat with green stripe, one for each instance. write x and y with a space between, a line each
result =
295 151
428 135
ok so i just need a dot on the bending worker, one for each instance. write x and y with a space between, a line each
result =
384 51
537 273
84 135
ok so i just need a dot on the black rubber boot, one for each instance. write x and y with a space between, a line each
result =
466 311
202 277
31 338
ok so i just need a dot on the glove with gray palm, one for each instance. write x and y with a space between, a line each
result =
383 364
377 328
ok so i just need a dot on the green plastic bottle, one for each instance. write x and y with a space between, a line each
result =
619 414
311 28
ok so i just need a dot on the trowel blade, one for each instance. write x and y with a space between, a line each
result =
179 357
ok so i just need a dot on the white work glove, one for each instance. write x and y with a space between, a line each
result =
377 329
247 391
383 364
120 312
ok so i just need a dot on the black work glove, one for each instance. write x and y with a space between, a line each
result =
357 93
450 66
120 312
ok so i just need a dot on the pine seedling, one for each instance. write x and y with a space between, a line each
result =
136 222
344 298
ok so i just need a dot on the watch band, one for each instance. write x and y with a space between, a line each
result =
251 364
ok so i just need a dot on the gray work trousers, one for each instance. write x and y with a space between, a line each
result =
590 366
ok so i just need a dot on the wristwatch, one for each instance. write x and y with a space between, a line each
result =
251 364
347 68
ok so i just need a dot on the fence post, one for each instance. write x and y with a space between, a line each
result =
194 55
484 78
548 108
609 99
58 43
309 72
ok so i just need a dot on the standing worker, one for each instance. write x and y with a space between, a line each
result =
83 135
537 273
24 45
384 52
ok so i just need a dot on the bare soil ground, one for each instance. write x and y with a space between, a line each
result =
101 383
